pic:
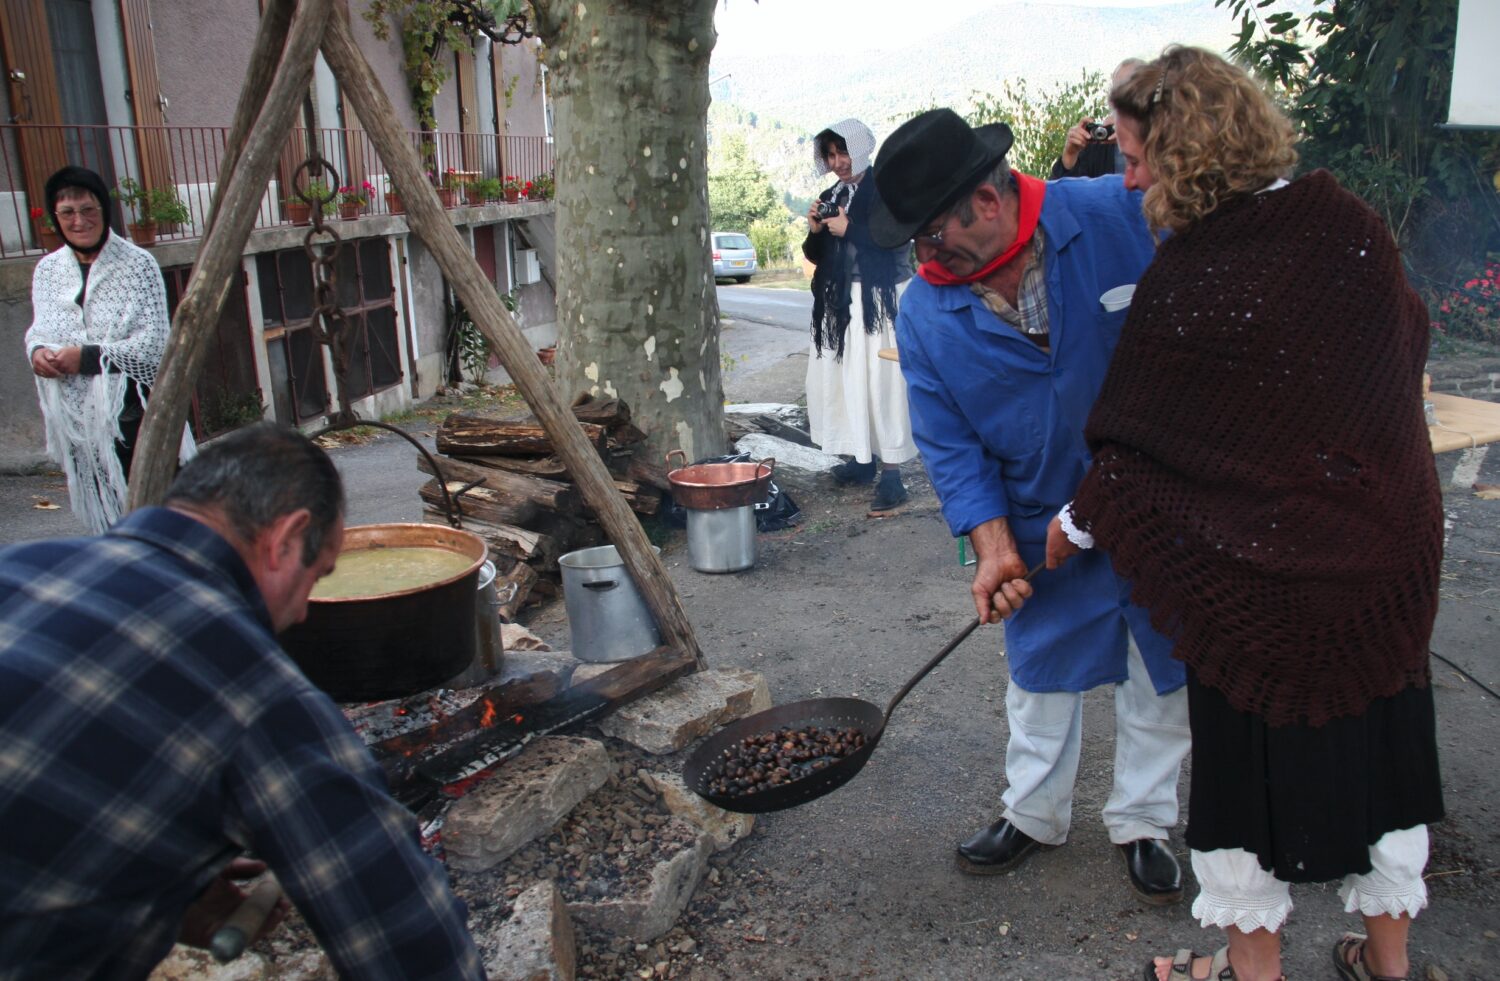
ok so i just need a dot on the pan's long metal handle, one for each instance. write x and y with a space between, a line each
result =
962 636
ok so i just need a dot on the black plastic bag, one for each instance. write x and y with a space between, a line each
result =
777 512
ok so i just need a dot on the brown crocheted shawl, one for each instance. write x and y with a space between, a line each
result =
1262 471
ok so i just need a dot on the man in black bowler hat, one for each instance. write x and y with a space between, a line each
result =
1004 342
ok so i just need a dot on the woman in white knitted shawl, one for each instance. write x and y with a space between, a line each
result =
99 329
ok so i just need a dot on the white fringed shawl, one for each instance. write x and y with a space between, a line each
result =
125 313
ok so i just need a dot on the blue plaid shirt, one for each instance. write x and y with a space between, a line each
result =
150 729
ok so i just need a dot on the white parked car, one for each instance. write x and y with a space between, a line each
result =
734 256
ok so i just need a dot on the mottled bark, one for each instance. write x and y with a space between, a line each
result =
636 308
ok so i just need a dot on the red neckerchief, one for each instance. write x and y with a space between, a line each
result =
1030 191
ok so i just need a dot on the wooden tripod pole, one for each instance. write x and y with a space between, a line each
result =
271 99
431 223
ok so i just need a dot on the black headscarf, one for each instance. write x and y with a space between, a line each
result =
841 262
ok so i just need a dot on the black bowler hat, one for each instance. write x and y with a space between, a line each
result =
925 165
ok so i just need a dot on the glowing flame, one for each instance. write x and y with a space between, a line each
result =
489 715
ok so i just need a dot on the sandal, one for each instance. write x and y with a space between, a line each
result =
1182 967
1355 970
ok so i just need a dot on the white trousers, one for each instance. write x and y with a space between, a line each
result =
856 405
1236 891
1046 738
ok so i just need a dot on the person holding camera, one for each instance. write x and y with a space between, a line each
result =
856 400
1092 149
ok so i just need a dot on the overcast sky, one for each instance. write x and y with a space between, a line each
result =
772 26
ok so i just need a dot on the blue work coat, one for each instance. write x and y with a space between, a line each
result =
1000 422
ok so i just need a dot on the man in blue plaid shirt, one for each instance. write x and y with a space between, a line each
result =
151 730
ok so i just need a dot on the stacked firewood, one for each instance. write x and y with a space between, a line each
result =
512 489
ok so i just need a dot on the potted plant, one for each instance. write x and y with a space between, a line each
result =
46 234
132 195
474 191
393 198
166 209
489 188
352 200
299 211
512 188
542 187
448 189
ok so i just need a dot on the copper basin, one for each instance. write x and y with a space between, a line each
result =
718 486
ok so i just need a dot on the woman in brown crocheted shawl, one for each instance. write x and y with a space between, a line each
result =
1262 474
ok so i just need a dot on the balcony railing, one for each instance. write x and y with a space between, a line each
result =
188 158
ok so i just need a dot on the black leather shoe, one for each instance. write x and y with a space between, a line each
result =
1154 873
998 848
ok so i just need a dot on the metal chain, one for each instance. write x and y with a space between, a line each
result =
329 325
323 247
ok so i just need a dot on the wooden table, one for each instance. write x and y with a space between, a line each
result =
1462 423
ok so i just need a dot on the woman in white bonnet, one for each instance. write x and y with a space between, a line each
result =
856 400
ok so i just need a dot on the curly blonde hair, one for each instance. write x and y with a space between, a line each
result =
1209 134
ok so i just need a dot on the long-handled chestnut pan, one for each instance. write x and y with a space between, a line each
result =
702 764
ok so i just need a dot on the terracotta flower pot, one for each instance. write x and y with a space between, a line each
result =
299 212
50 239
473 195
546 355
512 195
393 203
142 233
445 196
350 210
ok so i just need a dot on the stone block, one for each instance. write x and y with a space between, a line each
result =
723 828
646 916
523 664
523 800
193 964
536 943
688 708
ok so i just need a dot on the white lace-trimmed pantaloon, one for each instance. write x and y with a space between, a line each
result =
1235 891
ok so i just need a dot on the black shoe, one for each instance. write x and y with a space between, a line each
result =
854 473
1154 873
998 848
889 492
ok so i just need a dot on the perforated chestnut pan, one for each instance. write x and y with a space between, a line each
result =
837 713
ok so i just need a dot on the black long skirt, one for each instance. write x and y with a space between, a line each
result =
1310 801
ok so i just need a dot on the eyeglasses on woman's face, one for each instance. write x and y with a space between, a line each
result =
87 214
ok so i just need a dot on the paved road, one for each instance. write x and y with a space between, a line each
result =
765 343
791 309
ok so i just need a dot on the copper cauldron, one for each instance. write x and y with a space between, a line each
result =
365 648
718 486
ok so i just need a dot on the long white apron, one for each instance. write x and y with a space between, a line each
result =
856 406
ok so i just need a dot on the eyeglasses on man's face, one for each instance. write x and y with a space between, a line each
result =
934 233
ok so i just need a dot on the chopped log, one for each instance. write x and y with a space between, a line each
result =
549 467
642 500
774 426
508 488
462 435
505 539
608 413
645 472
626 435
483 503
523 578
400 755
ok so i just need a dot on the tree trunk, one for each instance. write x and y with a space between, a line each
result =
636 308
